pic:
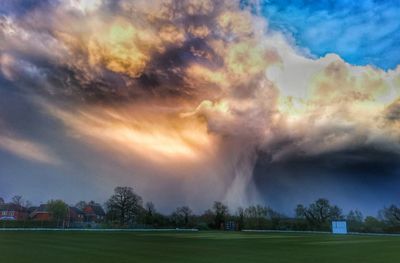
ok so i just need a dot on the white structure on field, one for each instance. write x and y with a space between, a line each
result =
339 227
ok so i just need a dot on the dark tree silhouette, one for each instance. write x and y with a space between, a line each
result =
391 214
150 213
182 216
221 213
124 205
319 213
17 200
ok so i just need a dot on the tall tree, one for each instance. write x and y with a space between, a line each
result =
17 200
261 217
1 201
355 216
355 220
300 211
221 213
182 216
240 214
124 205
373 225
319 213
58 210
150 213
335 213
256 216
208 218
391 214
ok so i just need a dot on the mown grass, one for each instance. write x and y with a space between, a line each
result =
59 247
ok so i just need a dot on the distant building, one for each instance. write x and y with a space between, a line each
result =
94 213
339 227
13 212
75 215
41 213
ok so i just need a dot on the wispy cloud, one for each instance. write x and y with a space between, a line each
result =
28 150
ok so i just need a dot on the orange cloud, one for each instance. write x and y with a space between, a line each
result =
136 131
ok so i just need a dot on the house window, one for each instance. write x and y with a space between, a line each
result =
4 213
12 213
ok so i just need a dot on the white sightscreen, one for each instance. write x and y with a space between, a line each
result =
339 227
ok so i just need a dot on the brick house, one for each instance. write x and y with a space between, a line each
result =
94 213
41 213
13 212
75 215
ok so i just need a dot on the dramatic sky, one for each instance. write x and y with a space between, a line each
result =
271 102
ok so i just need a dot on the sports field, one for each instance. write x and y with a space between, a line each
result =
59 247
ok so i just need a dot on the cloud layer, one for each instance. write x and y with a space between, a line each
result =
180 85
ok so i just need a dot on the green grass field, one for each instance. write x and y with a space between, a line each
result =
219 247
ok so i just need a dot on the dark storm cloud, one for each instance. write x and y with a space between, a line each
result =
54 65
359 161
366 178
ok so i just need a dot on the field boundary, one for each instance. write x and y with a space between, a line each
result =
101 229
318 232
183 230
286 231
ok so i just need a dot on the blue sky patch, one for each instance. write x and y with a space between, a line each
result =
362 32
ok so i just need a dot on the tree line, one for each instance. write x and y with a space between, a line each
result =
126 209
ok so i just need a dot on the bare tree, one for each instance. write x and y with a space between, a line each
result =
355 216
150 213
259 217
391 214
319 212
124 205
221 213
355 220
17 200
256 216
182 216
240 214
